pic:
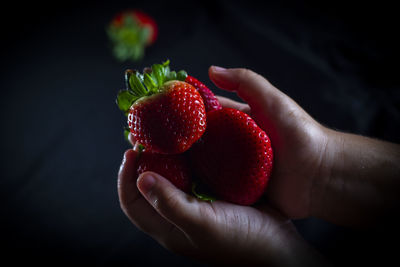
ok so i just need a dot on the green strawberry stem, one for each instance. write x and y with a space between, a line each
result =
150 82
201 196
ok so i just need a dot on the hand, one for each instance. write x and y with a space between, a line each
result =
342 178
220 231
217 232
314 167
298 140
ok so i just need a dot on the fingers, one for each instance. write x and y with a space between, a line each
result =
170 202
262 96
229 103
140 212
251 87
132 202
135 144
131 139
127 190
273 111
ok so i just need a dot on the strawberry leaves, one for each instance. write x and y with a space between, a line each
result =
125 99
199 194
150 82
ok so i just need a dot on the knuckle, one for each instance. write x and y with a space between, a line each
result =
166 202
245 73
246 77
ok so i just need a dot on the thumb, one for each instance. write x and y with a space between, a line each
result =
170 202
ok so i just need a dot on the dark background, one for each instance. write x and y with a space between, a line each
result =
61 132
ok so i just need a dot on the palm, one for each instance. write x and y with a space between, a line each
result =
298 142
297 159
243 229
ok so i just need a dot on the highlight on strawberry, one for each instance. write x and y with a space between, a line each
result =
130 32
165 114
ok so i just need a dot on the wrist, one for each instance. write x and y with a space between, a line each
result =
329 166
357 182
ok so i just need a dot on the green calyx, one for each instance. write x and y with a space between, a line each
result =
129 39
201 195
139 85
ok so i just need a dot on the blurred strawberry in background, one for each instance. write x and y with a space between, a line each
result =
130 32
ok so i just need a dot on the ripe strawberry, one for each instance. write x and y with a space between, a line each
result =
234 156
209 99
172 167
165 114
130 32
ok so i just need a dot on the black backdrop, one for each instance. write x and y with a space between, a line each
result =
61 139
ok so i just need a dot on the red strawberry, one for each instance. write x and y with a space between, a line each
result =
165 114
234 156
130 32
209 99
172 167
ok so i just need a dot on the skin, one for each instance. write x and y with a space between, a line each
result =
342 178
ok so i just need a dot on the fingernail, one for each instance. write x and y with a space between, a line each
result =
219 76
146 182
218 69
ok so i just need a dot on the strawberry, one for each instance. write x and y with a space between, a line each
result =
234 157
173 167
147 22
209 99
130 32
165 114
